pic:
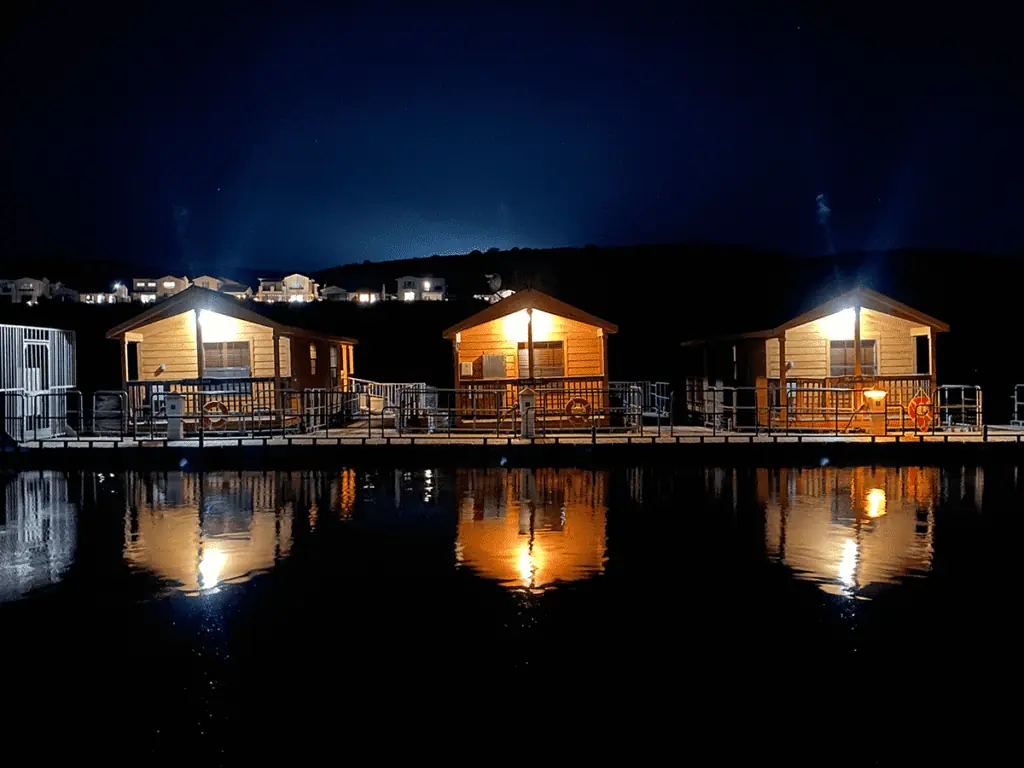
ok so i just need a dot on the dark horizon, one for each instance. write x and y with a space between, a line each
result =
217 140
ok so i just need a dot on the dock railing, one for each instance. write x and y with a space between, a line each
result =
836 410
1017 417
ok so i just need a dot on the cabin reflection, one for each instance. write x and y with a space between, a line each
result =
196 531
37 531
850 530
531 529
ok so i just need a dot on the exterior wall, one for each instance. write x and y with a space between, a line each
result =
293 287
807 346
302 375
210 283
584 344
172 342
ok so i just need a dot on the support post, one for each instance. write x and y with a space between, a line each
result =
856 342
931 362
124 362
529 341
277 371
783 394
200 354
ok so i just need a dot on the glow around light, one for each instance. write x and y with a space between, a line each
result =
426 285
147 298
210 566
169 284
875 506
364 298
217 327
848 562
409 295
514 327
838 326
874 394
298 298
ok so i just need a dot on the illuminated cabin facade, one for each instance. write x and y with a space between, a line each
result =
532 339
824 359
208 346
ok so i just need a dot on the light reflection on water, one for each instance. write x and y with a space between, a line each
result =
851 531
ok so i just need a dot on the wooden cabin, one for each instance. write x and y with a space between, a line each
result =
533 339
860 341
215 350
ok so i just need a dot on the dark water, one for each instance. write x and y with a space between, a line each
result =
201 608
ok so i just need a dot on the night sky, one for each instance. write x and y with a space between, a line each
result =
296 137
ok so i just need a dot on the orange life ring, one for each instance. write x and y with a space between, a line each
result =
920 410
215 407
578 411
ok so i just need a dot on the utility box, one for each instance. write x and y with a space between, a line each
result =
875 406
528 408
175 410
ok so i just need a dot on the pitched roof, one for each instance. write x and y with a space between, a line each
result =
198 298
858 297
531 298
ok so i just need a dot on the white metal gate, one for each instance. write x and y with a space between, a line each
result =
37 370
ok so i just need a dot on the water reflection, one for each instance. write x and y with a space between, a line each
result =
532 528
37 531
198 531
851 530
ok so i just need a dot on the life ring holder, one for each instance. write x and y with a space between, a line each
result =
213 421
578 411
920 410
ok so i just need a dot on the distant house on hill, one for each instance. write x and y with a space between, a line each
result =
29 290
291 288
148 289
427 288
334 293
366 296
232 288
117 295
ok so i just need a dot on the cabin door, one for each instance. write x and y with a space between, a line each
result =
38 404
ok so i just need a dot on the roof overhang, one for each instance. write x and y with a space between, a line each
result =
530 299
198 299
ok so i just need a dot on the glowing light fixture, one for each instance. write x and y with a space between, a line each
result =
874 394
297 298
514 327
876 502
426 285
169 284
216 327
838 325
364 298
409 295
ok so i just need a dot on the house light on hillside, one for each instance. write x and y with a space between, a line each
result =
364 298
426 285
168 284
296 298
409 296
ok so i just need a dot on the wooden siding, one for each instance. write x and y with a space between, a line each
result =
807 346
172 342
584 346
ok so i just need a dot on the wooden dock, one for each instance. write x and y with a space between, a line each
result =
357 445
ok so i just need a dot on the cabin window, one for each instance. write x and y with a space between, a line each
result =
922 355
548 359
842 361
334 363
493 366
312 358
227 359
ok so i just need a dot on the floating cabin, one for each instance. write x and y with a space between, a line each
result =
825 360
226 357
533 339
37 371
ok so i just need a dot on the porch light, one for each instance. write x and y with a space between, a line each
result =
874 394
875 503
216 327
838 326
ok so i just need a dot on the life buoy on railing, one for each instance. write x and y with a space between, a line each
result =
920 410
578 411
216 413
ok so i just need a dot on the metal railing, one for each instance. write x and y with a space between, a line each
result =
1017 417
654 396
834 409
377 395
